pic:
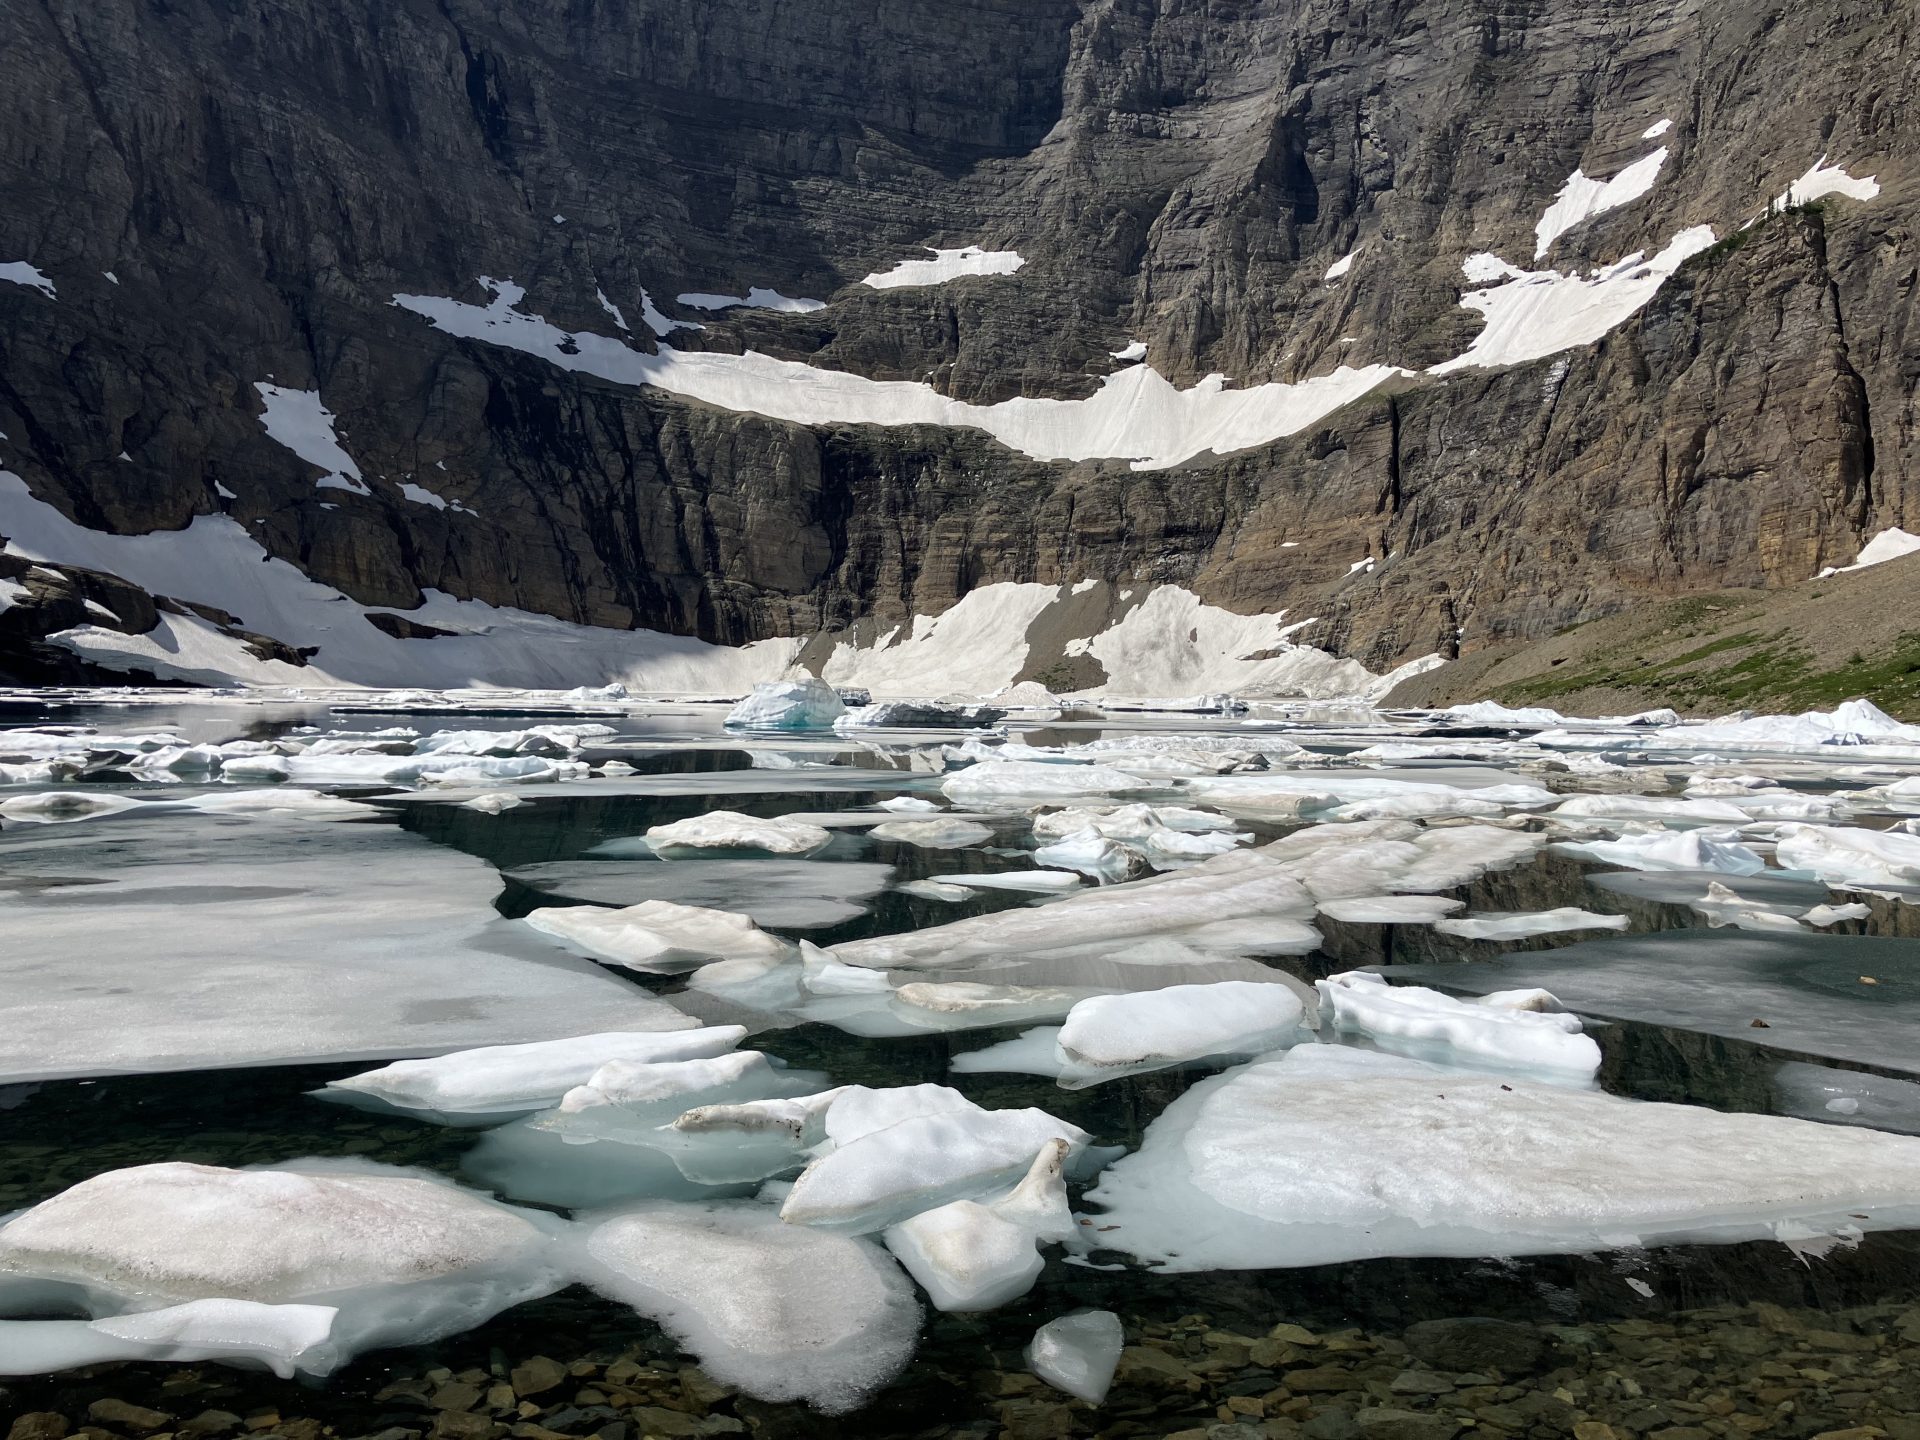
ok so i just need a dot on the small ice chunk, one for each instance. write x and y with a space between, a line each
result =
918 715
498 1079
784 1312
1526 926
1092 854
965 1256
730 830
934 890
1821 916
1180 1022
1045 882
288 1339
805 704
1413 1017
908 805
933 834
1078 1353
658 936
492 802
888 1174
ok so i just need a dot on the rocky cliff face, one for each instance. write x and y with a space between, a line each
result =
221 195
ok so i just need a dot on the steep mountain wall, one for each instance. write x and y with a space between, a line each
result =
223 194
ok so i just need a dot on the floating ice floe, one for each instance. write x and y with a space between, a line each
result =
1671 850
918 715
890 1173
1389 909
1012 780
1526 1031
790 894
730 830
1091 854
499 1081
1809 992
1078 1353
624 1100
401 1256
1854 723
1245 1171
492 802
784 1312
1532 923
933 834
1235 900
944 266
806 704
286 1339
1180 1022
1847 1097
658 936
1857 858
1652 807
349 940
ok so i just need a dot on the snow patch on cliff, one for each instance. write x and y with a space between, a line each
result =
1582 198
19 272
946 265
297 420
1823 180
756 298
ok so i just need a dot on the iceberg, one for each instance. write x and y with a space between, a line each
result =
808 704
1525 927
932 834
1484 1032
1180 1022
657 936
730 830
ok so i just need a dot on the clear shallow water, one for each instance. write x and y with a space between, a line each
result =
1686 1337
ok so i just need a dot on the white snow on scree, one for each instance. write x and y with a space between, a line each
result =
1392 1156
1890 544
946 265
1583 197
298 420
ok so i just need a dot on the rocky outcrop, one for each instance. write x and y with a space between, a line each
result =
221 197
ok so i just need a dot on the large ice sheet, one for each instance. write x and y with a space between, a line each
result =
784 1312
1331 1154
1010 781
349 941
1806 989
401 1256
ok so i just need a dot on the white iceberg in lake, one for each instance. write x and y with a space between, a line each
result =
1857 858
1180 1022
497 1081
1534 1035
784 1312
941 834
730 830
806 704
1526 926
1007 780
1672 850
658 936
1330 1154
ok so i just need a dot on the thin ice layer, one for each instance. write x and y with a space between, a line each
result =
1331 1154
348 941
